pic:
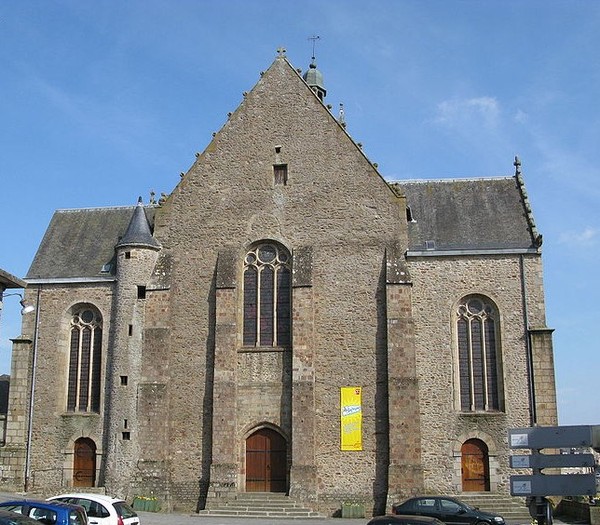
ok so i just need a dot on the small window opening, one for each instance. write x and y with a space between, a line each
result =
130 330
124 423
277 149
126 436
409 215
141 292
280 172
124 380
127 255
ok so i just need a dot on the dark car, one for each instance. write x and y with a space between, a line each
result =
8 517
449 510
48 513
404 520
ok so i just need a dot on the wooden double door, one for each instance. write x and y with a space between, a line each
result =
266 462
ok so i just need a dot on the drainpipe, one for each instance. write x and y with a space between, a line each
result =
32 392
530 375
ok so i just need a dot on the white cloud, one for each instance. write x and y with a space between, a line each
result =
479 110
521 117
587 237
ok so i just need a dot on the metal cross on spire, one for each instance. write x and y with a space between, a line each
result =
314 39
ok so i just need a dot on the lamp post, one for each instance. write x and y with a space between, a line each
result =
25 308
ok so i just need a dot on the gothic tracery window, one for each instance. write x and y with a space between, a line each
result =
267 296
85 358
478 355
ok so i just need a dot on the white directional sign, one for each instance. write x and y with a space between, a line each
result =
553 485
566 437
552 460
576 436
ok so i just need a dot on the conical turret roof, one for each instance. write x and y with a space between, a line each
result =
138 232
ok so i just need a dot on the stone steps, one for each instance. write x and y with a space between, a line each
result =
509 507
260 505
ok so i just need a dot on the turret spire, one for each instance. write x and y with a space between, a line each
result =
313 77
138 232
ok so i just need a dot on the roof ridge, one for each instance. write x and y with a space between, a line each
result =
451 179
91 208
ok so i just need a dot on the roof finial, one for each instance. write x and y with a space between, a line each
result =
342 116
517 165
314 39
281 51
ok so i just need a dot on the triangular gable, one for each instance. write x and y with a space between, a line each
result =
281 121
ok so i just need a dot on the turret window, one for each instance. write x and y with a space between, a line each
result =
267 296
85 359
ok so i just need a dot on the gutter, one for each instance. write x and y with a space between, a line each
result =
452 253
70 280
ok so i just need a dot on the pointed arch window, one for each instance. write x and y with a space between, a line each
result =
85 358
478 355
267 296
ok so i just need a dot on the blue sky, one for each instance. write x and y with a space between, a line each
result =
102 101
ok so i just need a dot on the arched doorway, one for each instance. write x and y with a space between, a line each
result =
475 466
84 463
266 462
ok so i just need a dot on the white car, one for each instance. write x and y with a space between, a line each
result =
101 509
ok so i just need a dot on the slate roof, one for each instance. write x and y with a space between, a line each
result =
451 215
469 215
8 280
79 243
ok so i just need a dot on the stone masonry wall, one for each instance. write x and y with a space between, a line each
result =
54 429
439 283
227 201
126 391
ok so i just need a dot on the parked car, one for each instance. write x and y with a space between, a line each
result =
404 520
449 510
101 509
48 513
8 517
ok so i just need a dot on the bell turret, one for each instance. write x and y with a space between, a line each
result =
314 78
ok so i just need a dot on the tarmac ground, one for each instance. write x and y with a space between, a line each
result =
150 518
164 518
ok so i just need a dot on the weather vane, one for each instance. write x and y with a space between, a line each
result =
314 39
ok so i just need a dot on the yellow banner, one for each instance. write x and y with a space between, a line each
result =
351 417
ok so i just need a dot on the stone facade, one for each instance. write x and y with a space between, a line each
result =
183 394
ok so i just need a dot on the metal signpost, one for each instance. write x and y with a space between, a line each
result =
537 486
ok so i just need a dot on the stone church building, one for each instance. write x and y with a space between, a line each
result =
285 320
